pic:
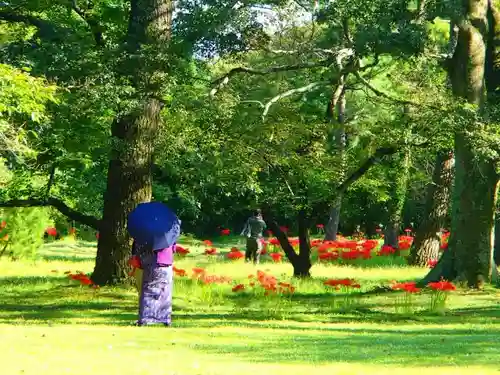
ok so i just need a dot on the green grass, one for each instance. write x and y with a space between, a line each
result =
50 326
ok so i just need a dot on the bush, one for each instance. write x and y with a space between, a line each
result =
25 227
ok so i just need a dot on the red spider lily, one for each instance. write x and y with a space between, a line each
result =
378 230
431 263
274 241
181 250
386 250
276 257
320 226
443 285
135 262
328 256
198 270
284 229
212 251
235 255
351 254
444 246
52 232
225 232
208 242
81 277
409 287
3 224
214 279
238 288
179 272
5 238
408 230
342 282
97 235
269 233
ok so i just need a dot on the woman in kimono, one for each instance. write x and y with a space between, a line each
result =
155 301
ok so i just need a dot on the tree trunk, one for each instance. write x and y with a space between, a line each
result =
470 251
400 174
496 250
428 240
301 262
133 136
332 226
474 203
303 266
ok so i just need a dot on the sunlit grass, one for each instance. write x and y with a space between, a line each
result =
51 325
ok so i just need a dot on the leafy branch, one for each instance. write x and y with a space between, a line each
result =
59 205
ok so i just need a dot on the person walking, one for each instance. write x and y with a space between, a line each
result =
253 231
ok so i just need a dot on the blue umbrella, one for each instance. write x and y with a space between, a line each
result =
154 224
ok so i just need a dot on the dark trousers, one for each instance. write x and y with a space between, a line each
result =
253 250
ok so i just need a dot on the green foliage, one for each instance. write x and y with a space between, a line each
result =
23 101
25 228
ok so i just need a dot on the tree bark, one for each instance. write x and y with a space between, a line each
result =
332 225
301 261
470 251
428 240
133 136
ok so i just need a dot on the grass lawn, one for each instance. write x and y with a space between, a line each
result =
49 325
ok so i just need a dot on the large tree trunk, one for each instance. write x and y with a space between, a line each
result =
301 261
399 176
332 226
470 252
133 136
496 249
428 240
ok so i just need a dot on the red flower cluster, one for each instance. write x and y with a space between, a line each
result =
179 272
337 283
82 278
432 263
386 250
51 232
181 250
225 232
238 288
235 254
408 287
211 251
272 285
443 285
276 257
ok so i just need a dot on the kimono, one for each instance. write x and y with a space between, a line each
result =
155 301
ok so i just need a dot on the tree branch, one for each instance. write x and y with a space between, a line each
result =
94 26
222 81
389 97
59 205
306 88
46 27
363 168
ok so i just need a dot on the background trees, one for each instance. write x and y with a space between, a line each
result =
324 113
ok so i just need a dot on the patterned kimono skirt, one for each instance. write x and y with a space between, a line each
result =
155 302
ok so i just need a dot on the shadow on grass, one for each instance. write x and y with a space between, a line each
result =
67 258
381 347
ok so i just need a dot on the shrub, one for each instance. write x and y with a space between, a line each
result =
25 227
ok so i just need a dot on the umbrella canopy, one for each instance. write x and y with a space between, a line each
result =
154 224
